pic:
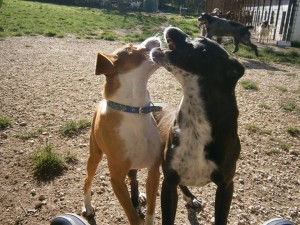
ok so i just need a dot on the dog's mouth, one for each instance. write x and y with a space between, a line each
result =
201 21
170 43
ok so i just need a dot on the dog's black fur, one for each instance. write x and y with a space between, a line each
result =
219 27
204 65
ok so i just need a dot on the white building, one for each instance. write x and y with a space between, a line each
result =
282 15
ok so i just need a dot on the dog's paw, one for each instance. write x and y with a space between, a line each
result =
142 199
88 212
139 212
194 203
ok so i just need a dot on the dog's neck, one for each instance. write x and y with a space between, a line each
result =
192 105
128 88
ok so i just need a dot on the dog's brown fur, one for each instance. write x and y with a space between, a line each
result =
130 141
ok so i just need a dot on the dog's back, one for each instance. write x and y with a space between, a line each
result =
222 27
219 27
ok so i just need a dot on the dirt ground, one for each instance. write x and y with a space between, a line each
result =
47 81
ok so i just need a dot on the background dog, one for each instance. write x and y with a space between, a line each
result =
124 129
263 32
201 139
219 27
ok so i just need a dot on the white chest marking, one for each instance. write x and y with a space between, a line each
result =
142 140
195 132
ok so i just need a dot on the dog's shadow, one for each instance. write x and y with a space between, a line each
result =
255 64
192 215
92 221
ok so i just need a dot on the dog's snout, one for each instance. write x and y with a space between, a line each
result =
170 43
151 43
157 55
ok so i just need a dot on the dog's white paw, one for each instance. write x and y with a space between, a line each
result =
142 199
193 203
88 212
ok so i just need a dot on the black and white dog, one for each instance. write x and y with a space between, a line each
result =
219 27
200 137
263 32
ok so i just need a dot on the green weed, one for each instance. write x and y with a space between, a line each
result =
249 85
293 131
26 135
5 122
47 164
73 127
288 105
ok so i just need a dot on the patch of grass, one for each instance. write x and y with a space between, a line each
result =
26 135
252 128
5 122
288 105
273 151
264 106
109 35
249 85
36 18
270 54
294 131
73 127
71 158
47 163
284 145
281 89
291 74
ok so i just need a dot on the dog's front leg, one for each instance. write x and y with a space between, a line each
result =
120 189
222 202
169 199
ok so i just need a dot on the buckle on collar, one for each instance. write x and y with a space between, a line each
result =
141 110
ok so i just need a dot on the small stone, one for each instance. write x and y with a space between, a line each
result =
23 124
42 198
33 192
4 136
38 205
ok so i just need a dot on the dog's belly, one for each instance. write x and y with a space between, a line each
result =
142 141
192 166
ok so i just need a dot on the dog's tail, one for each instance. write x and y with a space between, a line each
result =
250 27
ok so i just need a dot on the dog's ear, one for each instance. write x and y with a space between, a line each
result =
235 69
105 64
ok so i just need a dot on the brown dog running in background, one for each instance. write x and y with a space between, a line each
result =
124 129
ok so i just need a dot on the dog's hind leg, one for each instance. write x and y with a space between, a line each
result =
92 164
252 46
118 174
222 203
236 43
152 185
190 199
135 194
169 200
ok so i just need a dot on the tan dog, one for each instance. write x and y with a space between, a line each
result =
123 128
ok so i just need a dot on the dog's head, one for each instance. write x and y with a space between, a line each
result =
201 58
128 58
204 18
264 24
